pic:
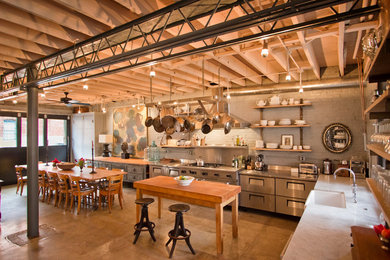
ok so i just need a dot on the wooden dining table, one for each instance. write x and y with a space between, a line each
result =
75 171
203 193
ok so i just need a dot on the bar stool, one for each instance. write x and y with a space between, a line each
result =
144 224
179 232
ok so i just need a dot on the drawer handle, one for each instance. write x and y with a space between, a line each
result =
259 182
295 186
295 204
256 196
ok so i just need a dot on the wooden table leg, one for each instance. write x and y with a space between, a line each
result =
159 207
219 228
138 207
235 216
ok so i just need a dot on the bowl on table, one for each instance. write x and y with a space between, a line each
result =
66 166
184 180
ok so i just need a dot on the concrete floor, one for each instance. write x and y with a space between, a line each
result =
100 235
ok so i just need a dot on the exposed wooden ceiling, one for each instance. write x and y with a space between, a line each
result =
32 29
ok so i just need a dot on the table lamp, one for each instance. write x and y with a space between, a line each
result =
106 140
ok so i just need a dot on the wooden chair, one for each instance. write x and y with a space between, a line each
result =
79 191
114 187
63 189
21 180
120 170
52 186
43 184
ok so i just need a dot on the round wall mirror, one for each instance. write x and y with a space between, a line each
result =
337 138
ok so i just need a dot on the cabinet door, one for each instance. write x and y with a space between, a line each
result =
258 184
294 188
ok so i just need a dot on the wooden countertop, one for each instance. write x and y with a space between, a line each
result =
120 160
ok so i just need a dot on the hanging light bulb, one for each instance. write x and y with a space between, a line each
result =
228 96
104 110
14 101
300 82
159 103
265 51
288 77
133 105
79 110
43 95
152 73
85 87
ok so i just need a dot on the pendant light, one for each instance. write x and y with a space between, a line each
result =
264 50
300 82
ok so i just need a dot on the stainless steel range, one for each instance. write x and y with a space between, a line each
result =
207 172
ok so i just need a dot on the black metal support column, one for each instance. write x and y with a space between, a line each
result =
32 161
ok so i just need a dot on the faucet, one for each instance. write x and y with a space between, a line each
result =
354 181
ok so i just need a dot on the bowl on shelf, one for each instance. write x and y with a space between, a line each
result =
287 147
263 122
271 122
272 145
184 180
300 122
306 147
66 166
285 121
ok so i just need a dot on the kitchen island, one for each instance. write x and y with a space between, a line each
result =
324 231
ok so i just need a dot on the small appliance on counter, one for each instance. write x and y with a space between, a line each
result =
308 168
259 164
327 167
358 167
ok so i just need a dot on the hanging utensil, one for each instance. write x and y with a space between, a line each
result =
207 126
228 121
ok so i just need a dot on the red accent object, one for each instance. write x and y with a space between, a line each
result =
378 228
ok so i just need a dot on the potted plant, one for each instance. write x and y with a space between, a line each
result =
55 161
81 163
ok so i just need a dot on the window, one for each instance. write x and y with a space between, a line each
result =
8 131
56 132
40 132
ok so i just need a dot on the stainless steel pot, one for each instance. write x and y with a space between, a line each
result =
207 126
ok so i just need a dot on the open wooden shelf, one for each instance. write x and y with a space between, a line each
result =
379 105
205 146
278 126
282 150
379 149
379 198
278 106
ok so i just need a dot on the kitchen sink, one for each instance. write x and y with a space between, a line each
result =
326 198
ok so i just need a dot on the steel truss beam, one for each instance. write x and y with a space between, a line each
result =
161 36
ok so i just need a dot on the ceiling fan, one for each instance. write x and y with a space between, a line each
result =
69 101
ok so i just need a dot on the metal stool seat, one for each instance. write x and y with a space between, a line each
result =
144 224
179 232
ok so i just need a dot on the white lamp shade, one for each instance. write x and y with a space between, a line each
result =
105 139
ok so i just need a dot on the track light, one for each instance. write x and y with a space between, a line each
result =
265 51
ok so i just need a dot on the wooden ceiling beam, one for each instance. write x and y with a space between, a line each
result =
307 47
131 5
22 18
10 59
52 12
32 35
25 45
106 12
17 53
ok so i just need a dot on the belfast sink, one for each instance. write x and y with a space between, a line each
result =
326 198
